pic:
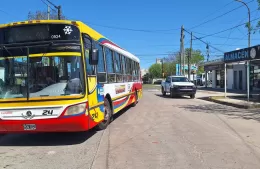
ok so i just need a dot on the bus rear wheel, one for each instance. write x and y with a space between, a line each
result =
107 117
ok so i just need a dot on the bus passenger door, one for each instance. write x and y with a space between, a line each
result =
93 100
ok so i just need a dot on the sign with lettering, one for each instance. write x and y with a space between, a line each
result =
242 54
214 67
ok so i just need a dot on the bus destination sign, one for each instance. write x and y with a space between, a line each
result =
39 32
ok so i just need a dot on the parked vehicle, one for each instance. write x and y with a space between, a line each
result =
178 86
201 79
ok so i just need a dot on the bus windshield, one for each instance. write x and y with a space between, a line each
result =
43 75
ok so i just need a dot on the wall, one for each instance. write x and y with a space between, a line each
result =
214 78
230 79
237 68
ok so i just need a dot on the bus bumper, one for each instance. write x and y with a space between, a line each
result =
63 124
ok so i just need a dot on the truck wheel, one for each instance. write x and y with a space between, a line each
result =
192 96
163 92
108 113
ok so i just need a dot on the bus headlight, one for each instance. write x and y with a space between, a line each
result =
76 109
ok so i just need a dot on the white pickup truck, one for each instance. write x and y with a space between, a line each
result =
179 86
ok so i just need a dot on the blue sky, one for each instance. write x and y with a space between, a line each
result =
162 19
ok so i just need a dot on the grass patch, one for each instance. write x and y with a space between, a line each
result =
151 86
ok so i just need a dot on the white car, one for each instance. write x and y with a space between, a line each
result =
179 86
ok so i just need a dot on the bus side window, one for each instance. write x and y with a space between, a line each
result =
131 73
110 67
138 71
127 65
101 72
117 66
135 71
124 68
87 47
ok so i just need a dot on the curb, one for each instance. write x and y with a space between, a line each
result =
215 100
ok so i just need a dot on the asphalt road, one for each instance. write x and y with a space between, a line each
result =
160 132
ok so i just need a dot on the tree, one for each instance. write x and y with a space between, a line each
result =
43 15
258 24
155 70
196 59
169 68
146 78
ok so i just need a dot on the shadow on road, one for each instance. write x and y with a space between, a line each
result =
50 139
168 96
248 114
45 139
117 115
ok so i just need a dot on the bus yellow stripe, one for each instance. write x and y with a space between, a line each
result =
56 54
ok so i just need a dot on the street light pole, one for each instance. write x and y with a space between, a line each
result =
249 45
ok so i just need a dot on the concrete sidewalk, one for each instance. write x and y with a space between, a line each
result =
233 98
232 91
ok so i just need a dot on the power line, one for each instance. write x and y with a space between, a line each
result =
48 5
220 9
228 29
204 42
219 16
135 30
8 14
222 37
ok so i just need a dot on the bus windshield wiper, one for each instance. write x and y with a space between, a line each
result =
3 47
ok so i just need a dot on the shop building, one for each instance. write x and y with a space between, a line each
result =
236 74
239 59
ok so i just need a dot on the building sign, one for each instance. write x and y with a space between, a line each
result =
192 68
214 67
242 54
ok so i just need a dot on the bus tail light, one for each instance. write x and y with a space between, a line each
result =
76 109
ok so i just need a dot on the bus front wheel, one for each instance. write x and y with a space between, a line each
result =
107 117
136 99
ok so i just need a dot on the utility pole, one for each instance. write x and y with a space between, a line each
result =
182 57
59 12
48 12
180 64
57 7
163 67
190 55
249 45
206 72
207 47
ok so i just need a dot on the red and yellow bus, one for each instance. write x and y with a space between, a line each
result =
62 76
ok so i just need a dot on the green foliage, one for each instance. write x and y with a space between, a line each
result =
155 71
200 70
258 24
169 68
169 65
43 15
146 77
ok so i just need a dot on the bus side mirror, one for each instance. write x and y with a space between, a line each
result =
94 57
